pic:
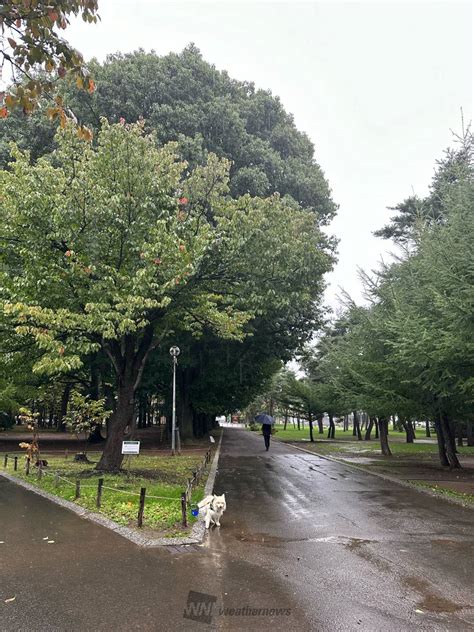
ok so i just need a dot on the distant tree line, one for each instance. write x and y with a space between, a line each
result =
408 354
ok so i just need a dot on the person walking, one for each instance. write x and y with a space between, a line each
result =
267 431
267 422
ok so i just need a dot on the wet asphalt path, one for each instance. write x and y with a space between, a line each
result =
337 548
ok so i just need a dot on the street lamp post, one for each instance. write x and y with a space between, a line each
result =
174 352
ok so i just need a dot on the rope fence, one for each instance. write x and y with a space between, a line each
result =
184 500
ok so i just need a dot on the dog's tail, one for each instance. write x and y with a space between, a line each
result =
205 501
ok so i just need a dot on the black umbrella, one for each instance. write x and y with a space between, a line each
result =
265 419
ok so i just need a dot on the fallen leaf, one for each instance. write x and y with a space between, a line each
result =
11 599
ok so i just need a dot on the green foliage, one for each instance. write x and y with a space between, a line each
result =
415 214
37 53
411 351
182 98
85 413
259 287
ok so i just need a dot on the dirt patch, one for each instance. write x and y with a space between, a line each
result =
431 601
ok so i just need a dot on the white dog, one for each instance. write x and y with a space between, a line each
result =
214 506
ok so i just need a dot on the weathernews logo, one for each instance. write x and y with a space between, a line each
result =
201 607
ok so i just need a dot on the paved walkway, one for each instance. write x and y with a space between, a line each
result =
334 549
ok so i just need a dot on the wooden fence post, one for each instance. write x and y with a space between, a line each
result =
15 464
78 489
141 507
99 492
5 462
56 479
40 469
183 510
27 467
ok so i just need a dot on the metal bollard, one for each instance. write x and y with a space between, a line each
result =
99 492
78 489
15 464
141 507
183 510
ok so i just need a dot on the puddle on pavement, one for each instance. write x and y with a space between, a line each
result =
353 544
261 538
358 546
430 600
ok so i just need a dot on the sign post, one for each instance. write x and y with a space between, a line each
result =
129 448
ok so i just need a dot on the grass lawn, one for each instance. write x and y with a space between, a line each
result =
163 476
438 488
345 443
293 434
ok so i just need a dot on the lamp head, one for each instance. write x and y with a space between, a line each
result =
175 351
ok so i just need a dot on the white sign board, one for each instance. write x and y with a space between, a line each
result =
130 447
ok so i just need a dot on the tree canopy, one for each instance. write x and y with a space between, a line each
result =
410 352
112 246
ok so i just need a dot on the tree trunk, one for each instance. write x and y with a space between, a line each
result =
443 459
64 404
122 417
449 442
345 425
383 430
470 433
368 432
332 427
310 421
128 357
408 427
376 427
286 419
356 431
427 428
320 424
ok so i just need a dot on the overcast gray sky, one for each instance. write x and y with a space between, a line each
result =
377 86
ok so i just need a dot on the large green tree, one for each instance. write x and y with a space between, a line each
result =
113 246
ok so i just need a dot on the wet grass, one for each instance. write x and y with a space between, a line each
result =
438 488
344 444
164 478
293 434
